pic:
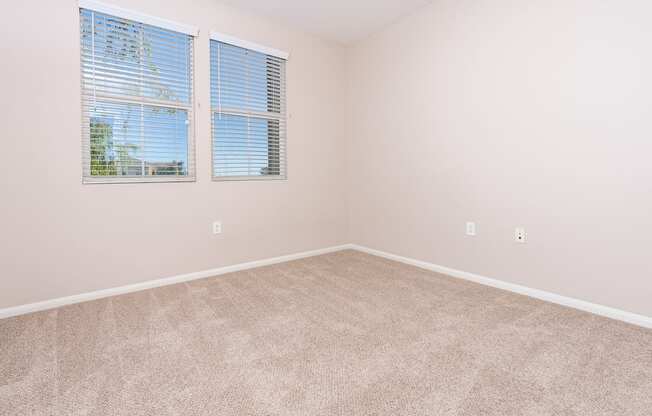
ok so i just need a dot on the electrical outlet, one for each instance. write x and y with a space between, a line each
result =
519 235
217 227
470 228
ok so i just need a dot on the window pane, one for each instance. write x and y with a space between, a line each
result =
123 57
137 140
248 103
137 99
244 79
245 146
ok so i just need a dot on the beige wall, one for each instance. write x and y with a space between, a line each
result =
535 113
60 237
507 113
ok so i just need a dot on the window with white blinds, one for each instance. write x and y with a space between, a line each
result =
137 100
248 113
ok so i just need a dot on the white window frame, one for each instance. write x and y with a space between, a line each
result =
190 108
116 11
232 40
245 44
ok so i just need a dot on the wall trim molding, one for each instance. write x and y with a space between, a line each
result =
606 311
150 284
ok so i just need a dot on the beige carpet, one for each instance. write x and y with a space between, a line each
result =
340 334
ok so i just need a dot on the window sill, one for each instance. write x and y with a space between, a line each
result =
249 178
138 179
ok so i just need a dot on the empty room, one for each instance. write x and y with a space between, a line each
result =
326 208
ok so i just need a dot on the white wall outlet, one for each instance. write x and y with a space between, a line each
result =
470 228
519 235
217 227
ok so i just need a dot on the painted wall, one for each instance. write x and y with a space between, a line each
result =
510 113
60 237
507 113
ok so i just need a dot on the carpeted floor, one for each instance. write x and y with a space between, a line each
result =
340 334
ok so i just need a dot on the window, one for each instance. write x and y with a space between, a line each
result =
248 110
137 98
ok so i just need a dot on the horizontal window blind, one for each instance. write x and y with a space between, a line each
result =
248 107
137 101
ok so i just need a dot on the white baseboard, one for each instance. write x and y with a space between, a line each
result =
84 297
606 311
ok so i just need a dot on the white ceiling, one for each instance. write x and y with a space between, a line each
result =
344 21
